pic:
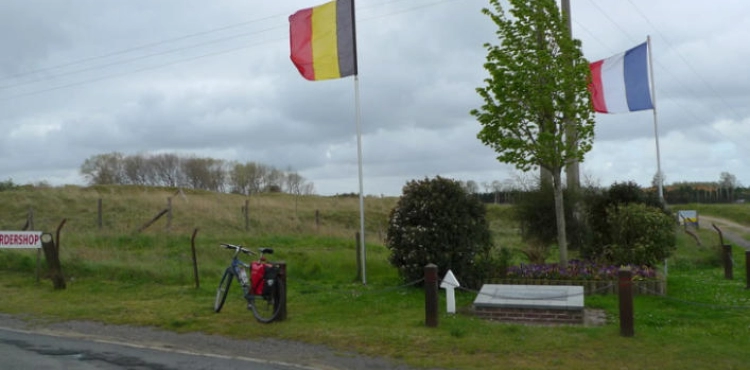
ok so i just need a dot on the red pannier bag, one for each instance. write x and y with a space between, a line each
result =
257 270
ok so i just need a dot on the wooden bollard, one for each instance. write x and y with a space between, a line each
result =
99 213
727 258
246 213
431 295
625 286
52 255
282 278
747 269
195 259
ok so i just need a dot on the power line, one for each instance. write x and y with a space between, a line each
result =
136 48
185 37
145 46
669 72
684 60
84 82
663 68
133 59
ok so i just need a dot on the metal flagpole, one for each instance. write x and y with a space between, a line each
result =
361 192
358 119
659 175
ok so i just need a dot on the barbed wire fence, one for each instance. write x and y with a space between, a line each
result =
31 219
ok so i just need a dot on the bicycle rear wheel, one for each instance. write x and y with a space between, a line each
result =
222 290
266 308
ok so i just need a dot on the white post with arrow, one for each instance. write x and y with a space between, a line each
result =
449 283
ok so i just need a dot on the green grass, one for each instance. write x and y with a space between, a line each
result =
118 276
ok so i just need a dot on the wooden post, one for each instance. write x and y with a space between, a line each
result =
246 213
282 277
359 256
431 295
747 269
52 255
147 224
727 258
99 212
30 219
625 285
317 220
195 260
30 226
721 235
169 213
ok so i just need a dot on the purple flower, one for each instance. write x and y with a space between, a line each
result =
577 270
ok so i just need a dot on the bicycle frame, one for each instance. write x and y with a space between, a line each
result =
263 283
239 270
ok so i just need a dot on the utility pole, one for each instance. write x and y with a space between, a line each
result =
572 173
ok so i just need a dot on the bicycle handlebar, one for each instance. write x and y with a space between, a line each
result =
239 248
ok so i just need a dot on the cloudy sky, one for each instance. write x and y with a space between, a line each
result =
213 78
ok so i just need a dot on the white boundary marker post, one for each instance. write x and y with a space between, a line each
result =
449 283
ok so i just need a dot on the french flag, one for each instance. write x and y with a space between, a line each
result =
620 83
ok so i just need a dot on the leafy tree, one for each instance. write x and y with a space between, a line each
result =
204 173
535 213
134 168
171 170
437 221
167 170
537 85
471 187
7 185
104 169
728 182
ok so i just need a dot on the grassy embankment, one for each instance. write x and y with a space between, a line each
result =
119 276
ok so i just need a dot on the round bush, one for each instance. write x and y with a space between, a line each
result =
641 235
437 221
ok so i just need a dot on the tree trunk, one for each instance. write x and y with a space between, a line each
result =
562 239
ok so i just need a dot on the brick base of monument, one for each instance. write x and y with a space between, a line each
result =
530 315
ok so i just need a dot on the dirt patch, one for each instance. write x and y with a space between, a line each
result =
594 317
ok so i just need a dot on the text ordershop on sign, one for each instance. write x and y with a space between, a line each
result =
20 239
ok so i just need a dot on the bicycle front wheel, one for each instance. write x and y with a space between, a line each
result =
266 308
222 290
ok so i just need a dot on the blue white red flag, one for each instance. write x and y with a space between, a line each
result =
620 84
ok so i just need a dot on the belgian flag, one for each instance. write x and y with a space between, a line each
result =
323 42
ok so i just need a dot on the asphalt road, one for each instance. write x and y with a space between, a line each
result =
22 350
29 343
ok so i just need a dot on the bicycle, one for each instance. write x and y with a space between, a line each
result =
264 291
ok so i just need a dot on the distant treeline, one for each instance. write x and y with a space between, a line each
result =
681 193
686 192
192 172
726 190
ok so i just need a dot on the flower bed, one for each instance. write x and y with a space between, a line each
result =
595 278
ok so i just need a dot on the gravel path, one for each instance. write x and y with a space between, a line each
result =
728 229
306 356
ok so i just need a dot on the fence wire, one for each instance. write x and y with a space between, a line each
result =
359 292
697 304
601 289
